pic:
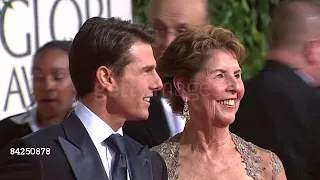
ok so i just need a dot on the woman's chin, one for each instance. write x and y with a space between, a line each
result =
49 113
226 120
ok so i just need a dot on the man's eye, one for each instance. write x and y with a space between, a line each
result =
237 76
219 75
181 30
160 30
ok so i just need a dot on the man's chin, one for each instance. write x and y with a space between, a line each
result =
140 116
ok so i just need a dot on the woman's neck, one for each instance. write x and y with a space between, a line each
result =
204 136
43 121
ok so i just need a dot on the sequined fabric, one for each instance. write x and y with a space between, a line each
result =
250 153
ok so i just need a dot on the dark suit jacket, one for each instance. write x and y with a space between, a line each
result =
154 130
281 112
10 130
70 154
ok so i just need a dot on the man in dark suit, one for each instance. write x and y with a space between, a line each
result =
280 110
169 17
113 70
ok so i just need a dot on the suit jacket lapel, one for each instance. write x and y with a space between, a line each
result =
80 151
140 166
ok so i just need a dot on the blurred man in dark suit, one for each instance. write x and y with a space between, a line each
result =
169 18
280 110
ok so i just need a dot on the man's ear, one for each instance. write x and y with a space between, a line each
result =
312 51
181 86
104 78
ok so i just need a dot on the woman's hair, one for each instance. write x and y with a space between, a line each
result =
56 44
187 54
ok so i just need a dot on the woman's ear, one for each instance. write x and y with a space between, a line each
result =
181 87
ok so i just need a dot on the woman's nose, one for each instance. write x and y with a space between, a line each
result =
48 84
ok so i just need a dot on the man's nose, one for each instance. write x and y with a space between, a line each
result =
169 37
157 83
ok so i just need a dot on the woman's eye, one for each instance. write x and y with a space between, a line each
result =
37 76
58 77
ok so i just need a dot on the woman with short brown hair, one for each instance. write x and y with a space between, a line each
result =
202 81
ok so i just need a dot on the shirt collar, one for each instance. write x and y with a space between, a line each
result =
29 118
97 129
306 78
33 121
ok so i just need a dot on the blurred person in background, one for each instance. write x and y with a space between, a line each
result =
202 67
280 110
169 18
54 93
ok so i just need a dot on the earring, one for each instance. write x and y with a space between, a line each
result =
185 112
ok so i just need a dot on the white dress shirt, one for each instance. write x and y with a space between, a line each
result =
33 121
29 117
98 131
176 123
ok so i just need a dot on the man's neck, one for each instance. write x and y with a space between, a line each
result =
100 110
289 58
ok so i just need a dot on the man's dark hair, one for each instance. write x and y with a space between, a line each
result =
103 42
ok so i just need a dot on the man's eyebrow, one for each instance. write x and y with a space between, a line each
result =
239 71
182 25
148 68
158 22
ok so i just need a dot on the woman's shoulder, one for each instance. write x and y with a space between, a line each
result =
167 147
17 119
21 118
262 160
169 150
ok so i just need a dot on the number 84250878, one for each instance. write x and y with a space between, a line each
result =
30 151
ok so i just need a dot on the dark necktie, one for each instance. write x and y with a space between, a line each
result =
119 165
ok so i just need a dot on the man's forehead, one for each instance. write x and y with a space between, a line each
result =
178 12
177 3
141 54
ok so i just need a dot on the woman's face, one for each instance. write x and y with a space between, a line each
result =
53 89
218 89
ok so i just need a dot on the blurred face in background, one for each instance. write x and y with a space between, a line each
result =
53 89
171 17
